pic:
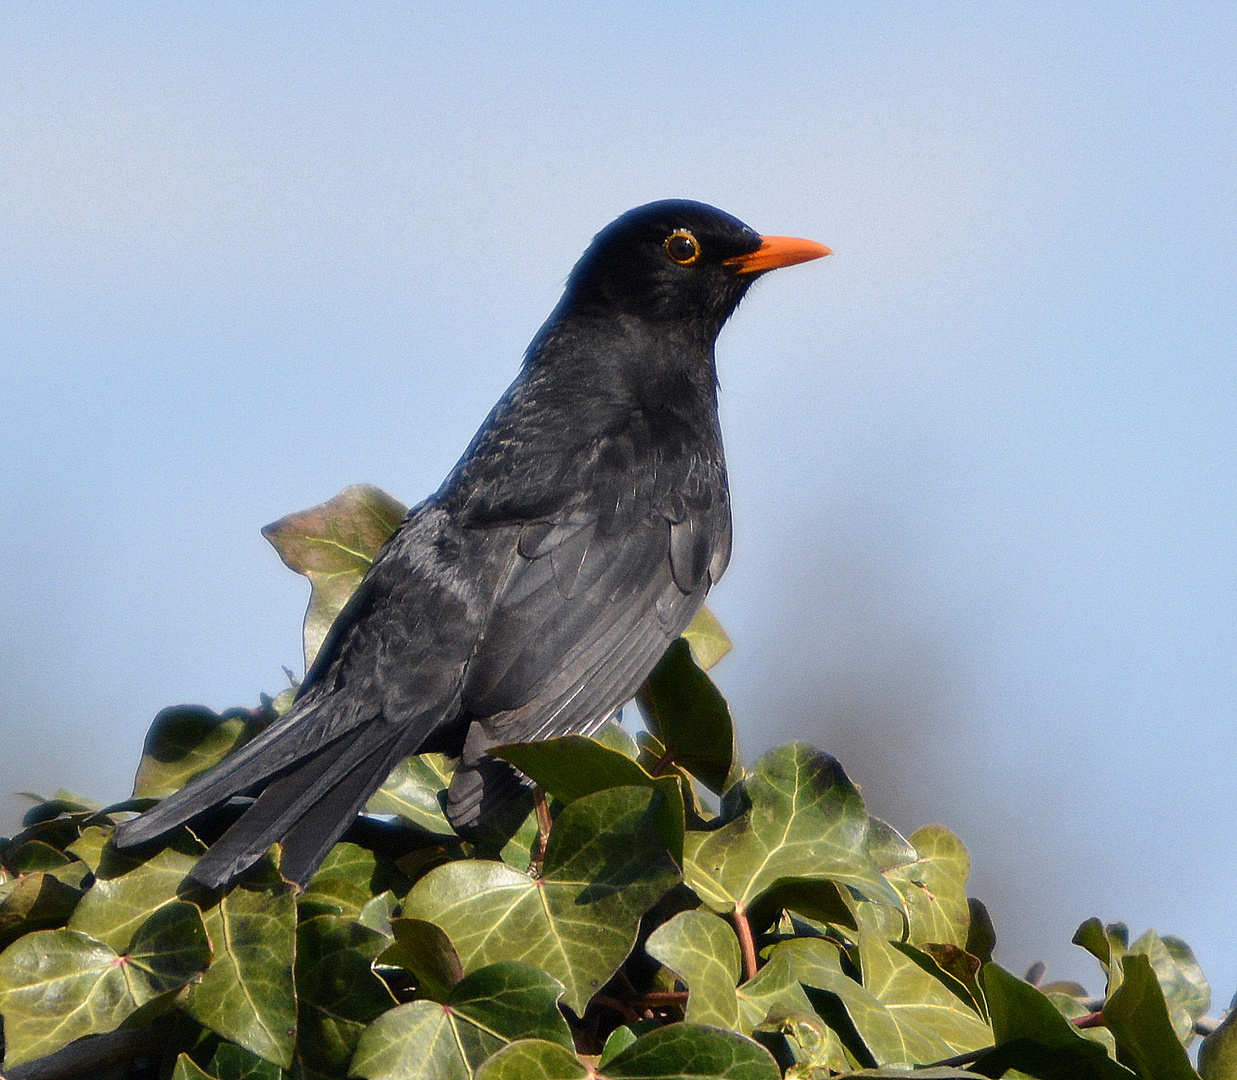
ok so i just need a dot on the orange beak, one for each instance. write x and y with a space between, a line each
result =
775 251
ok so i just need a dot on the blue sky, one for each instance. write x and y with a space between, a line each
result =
983 459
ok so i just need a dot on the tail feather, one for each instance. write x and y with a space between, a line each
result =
294 736
308 808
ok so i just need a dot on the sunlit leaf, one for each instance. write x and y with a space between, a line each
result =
704 952
804 819
185 740
448 1041
333 545
605 865
706 639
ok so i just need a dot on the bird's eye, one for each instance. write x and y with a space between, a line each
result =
682 247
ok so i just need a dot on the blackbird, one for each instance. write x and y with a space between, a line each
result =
533 593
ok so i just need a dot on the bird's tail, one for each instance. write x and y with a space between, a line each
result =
315 785
307 809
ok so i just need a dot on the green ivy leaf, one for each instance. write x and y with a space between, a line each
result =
706 639
532 1059
1217 1056
687 714
933 888
186 740
573 766
127 892
334 544
1138 1018
1033 1036
337 992
425 950
231 1062
704 952
247 993
58 985
605 865
32 902
416 791
187 1069
693 1052
350 878
486 1010
804 819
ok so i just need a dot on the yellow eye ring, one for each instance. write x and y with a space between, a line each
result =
682 247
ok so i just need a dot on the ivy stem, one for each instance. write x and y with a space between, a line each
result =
746 944
544 823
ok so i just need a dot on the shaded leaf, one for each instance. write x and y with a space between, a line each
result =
704 952
125 895
337 992
706 639
605 865
1137 1016
186 1069
186 740
574 765
981 935
247 993
689 716
487 1009
231 1062
35 901
351 877
804 819
1217 1056
334 544
1034 1037
425 950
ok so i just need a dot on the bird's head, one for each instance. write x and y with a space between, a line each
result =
678 260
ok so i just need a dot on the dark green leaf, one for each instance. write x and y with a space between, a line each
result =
1137 1016
693 1052
35 901
333 544
573 766
231 1062
486 1010
185 740
186 1070
58 985
1217 1057
350 877
690 718
1035 1038
605 865
804 820
337 992
425 950
247 994
125 895
532 1059
981 936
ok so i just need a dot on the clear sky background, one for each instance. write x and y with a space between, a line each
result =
983 459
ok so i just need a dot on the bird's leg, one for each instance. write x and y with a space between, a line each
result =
543 830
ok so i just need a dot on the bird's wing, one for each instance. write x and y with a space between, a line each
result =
593 597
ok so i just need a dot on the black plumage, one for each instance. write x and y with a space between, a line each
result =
533 592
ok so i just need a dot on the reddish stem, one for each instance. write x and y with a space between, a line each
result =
746 944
